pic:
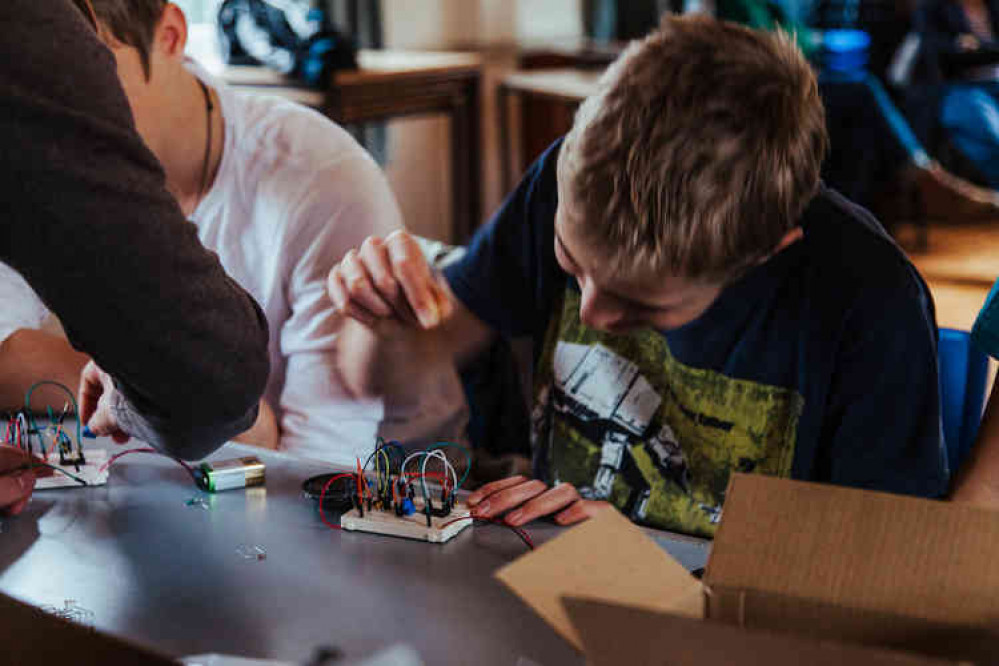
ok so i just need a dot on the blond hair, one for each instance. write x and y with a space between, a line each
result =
698 153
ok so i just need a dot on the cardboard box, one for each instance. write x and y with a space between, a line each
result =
30 636
794 566
644 637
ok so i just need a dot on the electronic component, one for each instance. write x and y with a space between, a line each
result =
89 465
340 495
51 446
251 552
394 500
228 474
411 526
70 611
390 504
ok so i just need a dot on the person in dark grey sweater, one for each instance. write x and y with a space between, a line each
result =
87 221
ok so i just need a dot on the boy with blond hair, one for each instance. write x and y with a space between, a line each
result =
699 302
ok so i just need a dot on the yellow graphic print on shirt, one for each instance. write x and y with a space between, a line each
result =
621 419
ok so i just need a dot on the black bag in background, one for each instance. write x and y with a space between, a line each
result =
291 36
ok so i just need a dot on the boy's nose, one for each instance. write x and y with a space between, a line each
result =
595 311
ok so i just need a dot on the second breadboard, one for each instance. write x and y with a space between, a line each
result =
413 526
93 470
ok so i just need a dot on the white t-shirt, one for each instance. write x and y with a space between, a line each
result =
293 193
20 307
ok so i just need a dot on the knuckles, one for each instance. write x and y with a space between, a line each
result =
386 285
536 487
356 285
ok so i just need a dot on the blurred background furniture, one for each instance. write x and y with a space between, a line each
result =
548 100
395 84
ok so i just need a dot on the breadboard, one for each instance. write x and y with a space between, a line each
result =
91 472
413 526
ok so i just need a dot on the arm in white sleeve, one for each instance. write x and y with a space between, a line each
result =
320 417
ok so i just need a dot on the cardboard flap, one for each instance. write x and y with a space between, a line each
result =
758 610
31 636
614 634
863 550
607 558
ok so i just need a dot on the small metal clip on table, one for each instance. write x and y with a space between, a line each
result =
395 84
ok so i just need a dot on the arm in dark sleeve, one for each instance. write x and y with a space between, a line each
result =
89 224
883 428
509 277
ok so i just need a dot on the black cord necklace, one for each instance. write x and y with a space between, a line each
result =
209 107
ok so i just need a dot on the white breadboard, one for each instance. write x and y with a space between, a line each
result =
413 526
91 472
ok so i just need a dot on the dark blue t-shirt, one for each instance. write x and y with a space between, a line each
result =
819 364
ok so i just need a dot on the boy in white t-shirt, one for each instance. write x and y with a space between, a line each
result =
279 192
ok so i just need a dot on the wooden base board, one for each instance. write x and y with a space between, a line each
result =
91 472
408 527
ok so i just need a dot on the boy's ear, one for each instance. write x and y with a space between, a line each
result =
171 32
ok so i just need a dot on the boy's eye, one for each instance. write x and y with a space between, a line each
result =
648 309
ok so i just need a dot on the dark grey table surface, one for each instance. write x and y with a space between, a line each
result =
159 571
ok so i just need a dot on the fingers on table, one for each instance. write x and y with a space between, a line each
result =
495 486
549 502
524 499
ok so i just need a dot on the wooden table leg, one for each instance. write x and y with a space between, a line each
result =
503 115
466 167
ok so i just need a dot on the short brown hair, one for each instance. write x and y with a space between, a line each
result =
131 22
699 152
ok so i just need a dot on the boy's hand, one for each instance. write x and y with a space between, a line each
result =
389 280
96 393
16 481
528 499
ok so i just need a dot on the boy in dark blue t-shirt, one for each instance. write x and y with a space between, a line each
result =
699 303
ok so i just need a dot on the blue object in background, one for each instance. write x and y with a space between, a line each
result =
291 36
969 112
844 52
313 64
963 375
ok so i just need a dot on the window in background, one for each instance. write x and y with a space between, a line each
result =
623 20
359 19
199 11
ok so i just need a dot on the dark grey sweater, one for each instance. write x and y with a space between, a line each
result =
85 217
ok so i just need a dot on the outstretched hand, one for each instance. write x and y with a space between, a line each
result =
97 392
523 500
389 281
